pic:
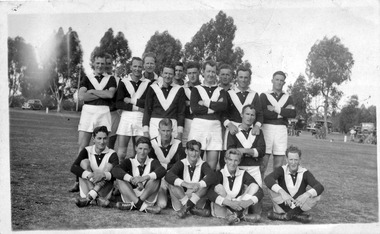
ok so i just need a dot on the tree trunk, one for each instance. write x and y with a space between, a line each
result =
59 105
325 114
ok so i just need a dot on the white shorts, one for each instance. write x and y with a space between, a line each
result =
94 116
254 171
207 132
226 134
153 127
115 119
276 138
130 124
186 131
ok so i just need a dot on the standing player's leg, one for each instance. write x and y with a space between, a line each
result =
264 165
212 158
122 149
279 146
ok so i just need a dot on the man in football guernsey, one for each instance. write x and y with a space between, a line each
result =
115 114
97 91
192 71
252 148
234 192
130 98
277 108
168 151
164 100
225 76
292 189
207 102
237 97
139 180
149 63
93 167
179 75
188 182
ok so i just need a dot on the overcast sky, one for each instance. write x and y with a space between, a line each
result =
275 35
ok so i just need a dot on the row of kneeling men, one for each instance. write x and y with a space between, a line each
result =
146 180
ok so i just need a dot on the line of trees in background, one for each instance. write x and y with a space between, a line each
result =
55 78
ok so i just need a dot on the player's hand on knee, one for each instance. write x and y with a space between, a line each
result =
302 199
235 205
98 176
245 203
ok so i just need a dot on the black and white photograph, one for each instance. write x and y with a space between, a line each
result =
167 116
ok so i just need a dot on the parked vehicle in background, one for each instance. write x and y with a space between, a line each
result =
32 104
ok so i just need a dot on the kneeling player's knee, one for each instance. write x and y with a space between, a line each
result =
85 165
219 189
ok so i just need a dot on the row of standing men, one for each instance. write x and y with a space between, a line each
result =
218 117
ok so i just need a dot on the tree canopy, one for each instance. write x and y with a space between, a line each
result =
214 40
300 93
62 59
166 47
117 46
22 67
328 65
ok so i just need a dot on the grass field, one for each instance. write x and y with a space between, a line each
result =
43 147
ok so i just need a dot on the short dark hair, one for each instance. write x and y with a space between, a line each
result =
107 56
233 151
293 149
168 65
225 66
192 64
279 73
190 144
137 59
250 106
244 69
165 122
98 55
210 63
144 140
149 54
180 64
100 129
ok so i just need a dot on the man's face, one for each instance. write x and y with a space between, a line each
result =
100 141
243 80
248 116
167 75
108 66
193 154
99 64
193 75
179 74
209 74
293 160
165 132
137 68
142 151
278 82
149 64
232 162
225 76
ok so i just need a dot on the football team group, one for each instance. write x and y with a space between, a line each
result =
201 141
